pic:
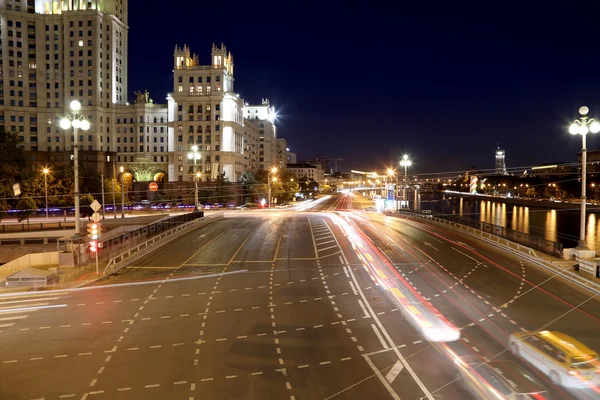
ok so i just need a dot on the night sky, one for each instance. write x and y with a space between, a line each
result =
369 84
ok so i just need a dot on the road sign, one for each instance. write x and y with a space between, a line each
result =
96 217
17 189
95 205
153 186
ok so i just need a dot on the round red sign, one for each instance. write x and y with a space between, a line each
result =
153 186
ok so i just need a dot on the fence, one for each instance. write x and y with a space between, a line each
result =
125 258
36 226
111 245
526 239
516 249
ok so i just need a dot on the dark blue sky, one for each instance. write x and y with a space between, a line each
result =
368 84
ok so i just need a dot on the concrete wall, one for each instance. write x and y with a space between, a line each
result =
29 260
9 253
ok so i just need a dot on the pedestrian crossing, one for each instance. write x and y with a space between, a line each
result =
324 241
18 307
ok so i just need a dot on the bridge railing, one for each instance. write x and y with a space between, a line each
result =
128 256
514 248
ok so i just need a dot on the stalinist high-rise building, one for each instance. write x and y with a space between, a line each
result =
56 51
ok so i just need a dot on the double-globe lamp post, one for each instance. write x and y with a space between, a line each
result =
75 121
405 162
582 126
194 155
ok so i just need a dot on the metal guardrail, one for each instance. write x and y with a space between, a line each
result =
514 248
125 258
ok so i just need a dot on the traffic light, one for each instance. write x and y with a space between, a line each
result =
94 230
93 246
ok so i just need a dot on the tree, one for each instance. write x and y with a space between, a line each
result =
84 205
12 162
108 190
247 180
27 208
223 193
531 192
3 209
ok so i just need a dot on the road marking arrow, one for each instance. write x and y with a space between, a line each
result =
396 369
430 245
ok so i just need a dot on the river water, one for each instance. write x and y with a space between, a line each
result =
555 225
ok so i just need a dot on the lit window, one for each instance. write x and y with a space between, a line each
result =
180 88
81 43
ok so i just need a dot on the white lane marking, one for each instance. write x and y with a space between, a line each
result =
465 254
362 305
382 379
394 372
383 343
346 272
13 318
412 373
324 362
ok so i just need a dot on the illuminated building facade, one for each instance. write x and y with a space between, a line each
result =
500 162
263 117
56 51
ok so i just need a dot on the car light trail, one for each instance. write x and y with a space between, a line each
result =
422 315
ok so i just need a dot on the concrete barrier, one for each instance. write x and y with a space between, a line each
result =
29 260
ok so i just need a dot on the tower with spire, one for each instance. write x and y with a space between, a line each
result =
500 161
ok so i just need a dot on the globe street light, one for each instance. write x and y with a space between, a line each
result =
405 162
269 179
75 121
582 126
194 155
46 171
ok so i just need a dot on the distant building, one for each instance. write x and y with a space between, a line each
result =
263 117
281 154
312 171
292 158
500 162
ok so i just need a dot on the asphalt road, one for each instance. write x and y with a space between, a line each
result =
278 305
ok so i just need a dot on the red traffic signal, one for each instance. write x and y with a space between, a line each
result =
93 246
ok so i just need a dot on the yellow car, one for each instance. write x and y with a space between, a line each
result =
563 359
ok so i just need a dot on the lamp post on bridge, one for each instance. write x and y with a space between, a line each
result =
405 162
582 126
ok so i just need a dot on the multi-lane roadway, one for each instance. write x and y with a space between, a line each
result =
287 304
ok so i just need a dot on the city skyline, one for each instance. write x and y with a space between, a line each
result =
440 88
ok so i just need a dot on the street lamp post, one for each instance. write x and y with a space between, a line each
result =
75 121
582 126
46 171
122 170
405 162
194 155
273 171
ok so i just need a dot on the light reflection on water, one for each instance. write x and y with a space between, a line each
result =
553 225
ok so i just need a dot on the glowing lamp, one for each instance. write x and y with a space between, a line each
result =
574 129
65 123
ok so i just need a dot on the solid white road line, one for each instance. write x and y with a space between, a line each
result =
383 343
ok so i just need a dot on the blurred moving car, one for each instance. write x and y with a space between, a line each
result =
566 361
497 379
